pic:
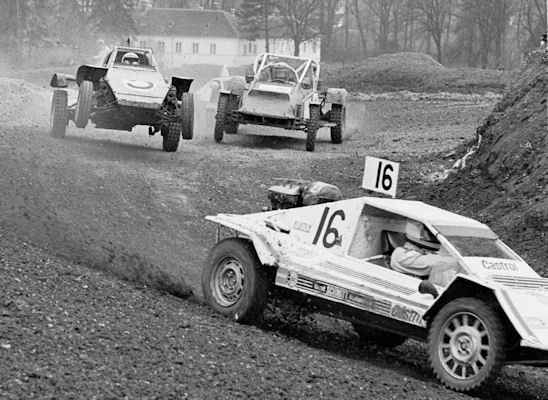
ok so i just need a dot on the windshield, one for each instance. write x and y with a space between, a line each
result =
469 246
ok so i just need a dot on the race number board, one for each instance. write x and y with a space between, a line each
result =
380 175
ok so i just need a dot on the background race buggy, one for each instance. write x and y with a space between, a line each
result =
126 90
283 92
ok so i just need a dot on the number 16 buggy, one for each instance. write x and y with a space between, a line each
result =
493 310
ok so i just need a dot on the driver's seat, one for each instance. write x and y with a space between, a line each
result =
390 240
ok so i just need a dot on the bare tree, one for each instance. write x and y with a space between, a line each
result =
300 19
383 10
436 14
362 17
328 21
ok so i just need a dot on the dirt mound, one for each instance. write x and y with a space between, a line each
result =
412 71
508 175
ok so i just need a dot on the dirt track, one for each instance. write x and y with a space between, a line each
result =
115 201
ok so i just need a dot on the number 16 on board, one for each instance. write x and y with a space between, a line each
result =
380 175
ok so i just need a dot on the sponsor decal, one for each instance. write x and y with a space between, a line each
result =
406 314
363 300
499 265
302 226
143 85
292 278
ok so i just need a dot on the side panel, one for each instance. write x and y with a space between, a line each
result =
61 80
337 96
182 85
90 73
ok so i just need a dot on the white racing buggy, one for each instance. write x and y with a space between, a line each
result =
125 91
334 255
283 92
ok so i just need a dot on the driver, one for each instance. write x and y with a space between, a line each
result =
130 58
420 256
279 73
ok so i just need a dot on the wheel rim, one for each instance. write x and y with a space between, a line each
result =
464 346
227 281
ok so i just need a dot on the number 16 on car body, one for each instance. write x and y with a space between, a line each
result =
380 175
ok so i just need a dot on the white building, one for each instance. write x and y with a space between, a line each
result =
187 36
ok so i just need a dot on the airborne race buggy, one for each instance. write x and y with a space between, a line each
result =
126 90
283 92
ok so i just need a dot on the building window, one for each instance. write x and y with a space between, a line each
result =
245 50
195 47
161 47
304 47
143 43
250 48
178 47
212 48
254 48
314 48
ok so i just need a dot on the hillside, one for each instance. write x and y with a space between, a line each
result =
415 72
509 172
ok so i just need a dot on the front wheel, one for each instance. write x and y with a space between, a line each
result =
233 281
220 117
338 116
232 125
313 125
466 344
84 104
170 136
59 113
187 116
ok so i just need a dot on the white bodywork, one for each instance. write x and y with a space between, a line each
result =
135 85
280 99
334 251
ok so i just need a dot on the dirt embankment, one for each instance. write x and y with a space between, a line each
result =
508 175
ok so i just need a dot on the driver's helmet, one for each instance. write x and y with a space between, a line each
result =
416 233
280 71
130 58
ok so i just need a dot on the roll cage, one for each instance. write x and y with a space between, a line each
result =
304 70
114 57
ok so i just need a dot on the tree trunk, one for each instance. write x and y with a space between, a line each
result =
297 49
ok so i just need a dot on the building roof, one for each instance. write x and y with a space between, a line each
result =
186 22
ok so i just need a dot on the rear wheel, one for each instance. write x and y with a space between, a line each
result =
232 125
84 104
233 281
313 125
466 344
187 116
338 116
170 136
377 336
220 117
59 113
